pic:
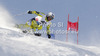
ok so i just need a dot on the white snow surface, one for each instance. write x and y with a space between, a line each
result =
15 43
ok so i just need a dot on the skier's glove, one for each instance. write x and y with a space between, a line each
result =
49 36
29 12
43 22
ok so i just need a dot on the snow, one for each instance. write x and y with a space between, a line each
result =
15 43
6 20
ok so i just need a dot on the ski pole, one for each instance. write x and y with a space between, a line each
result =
20 14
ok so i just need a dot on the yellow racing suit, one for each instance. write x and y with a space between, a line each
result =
37 22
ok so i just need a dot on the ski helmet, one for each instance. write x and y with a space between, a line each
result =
50 15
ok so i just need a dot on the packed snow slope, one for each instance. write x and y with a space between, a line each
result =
15 43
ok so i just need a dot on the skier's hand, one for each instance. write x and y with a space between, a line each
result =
43 22
29 12
49 36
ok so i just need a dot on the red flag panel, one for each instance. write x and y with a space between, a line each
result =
72 26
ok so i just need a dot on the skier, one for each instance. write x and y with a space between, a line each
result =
38 21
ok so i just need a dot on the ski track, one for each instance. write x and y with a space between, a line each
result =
15 43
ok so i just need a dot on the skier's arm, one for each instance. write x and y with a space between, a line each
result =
36 12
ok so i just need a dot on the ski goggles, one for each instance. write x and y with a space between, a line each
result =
51 17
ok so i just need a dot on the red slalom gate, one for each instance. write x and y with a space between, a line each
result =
72 27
